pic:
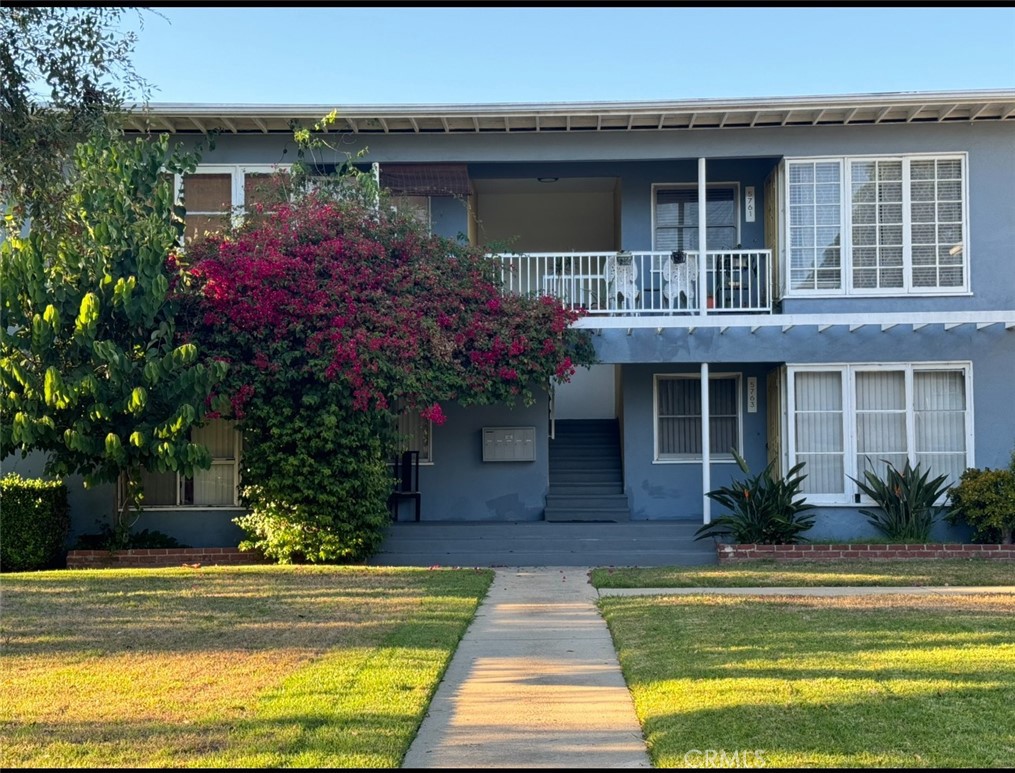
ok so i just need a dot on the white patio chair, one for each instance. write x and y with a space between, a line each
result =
621 280
680 279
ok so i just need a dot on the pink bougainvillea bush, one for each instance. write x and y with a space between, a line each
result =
332 316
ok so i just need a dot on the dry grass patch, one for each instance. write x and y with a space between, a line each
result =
240 666
827 573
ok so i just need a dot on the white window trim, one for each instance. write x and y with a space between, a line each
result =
691 458
235 462
734 184
238 173
846 225
848 385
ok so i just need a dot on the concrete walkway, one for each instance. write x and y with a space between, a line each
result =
535 683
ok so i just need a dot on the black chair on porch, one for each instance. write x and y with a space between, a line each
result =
406 482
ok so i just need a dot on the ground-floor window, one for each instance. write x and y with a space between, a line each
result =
214 487
678 417
845 419
415 434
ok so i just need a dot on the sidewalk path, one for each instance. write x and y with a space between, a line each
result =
535 683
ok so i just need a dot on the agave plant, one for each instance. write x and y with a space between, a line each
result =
763 509
906 501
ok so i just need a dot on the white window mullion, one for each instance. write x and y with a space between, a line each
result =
907 234
846 216
910 417
849 440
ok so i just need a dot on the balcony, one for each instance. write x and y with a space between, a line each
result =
645 283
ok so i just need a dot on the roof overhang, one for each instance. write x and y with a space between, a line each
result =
846 110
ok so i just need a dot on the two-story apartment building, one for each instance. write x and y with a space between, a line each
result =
828 280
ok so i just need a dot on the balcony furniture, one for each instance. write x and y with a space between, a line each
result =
406 482
621 280
680 279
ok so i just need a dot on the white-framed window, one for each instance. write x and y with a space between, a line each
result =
877 225
675 216
415 434
217 195
214 487
677 424
845 419
415 206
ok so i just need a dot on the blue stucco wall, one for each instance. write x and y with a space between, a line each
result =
460 486
672 491
93 508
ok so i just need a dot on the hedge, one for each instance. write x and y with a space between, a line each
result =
34 521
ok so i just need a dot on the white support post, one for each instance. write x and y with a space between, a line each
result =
375 171
706 451
702 242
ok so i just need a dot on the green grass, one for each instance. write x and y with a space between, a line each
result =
801 574
887 681
225 667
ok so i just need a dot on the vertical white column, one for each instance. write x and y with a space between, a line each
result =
702 241
375 171
706 451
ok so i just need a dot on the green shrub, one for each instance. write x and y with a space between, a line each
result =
906 501
322 479
34 521
985 499
108 538
763 510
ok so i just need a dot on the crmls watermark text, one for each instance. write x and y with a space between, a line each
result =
720 758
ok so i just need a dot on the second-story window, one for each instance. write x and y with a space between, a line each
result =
216 195
877 225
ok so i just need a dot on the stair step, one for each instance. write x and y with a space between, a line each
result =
592 501
584 489
584 515
592 463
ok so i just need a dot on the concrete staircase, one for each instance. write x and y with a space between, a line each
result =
538 543
586 476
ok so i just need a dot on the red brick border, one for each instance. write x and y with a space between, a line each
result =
103 559
731 554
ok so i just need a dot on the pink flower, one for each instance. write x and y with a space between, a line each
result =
434 414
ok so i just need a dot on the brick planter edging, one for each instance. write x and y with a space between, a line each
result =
730 554
155 557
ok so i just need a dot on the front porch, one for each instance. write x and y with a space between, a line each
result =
541 543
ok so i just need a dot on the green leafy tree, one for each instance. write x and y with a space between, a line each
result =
92 369
64 73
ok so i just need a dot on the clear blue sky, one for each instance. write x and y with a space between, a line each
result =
426 55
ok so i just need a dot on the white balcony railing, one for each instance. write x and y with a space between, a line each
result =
619 283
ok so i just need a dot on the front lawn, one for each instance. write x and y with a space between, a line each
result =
271 666
771 574
890 681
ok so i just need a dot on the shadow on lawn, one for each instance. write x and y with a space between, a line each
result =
946 728
824 682
363 738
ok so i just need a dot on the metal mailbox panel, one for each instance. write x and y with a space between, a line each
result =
509 444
